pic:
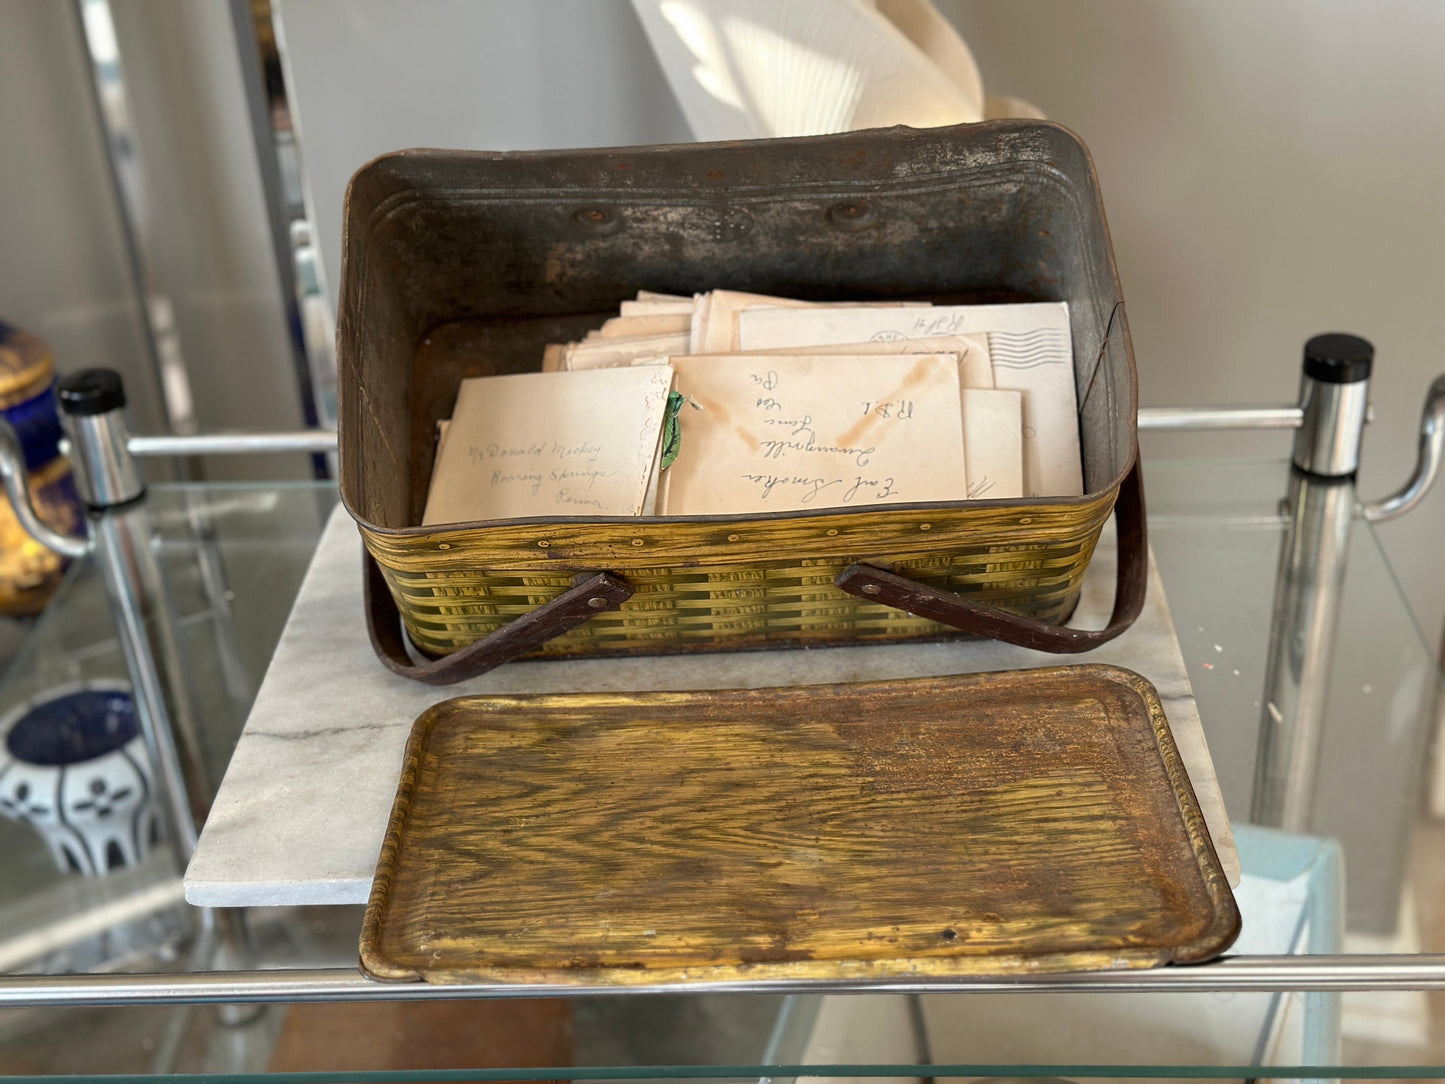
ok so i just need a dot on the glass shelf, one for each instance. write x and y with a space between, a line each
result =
1365 879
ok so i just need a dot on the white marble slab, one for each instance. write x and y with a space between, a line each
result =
301 812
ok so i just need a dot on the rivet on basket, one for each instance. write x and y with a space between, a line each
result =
849 214
870 589
444 545
543 543
597 602
598 219
733 537
925 526
637 541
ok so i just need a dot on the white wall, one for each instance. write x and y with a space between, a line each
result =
209 237
371 76
1270 171
63 270
62 263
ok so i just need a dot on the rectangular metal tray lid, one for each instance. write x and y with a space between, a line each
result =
865 833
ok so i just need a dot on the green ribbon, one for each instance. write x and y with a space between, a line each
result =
671 428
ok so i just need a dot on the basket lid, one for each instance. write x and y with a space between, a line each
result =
895 831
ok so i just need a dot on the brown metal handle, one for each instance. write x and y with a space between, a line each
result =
879 585
599 592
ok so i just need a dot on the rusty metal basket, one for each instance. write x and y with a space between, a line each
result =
460 264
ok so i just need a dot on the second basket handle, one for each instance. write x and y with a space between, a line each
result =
879 585
591 595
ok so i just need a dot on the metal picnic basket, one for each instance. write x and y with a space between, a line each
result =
460 264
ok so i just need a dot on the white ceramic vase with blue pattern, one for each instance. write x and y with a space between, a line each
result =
73 766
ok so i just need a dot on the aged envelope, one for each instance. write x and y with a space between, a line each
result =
975 370
681 306
993 442
632 327
605 353
1029 346
716 315
550 444
797 432
714 318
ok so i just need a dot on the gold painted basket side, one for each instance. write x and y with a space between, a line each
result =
717 585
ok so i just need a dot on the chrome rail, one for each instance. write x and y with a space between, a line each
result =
1190 419
1170 419
13 477
1175 419
315 441
324 440
1427 462
1153 419
1230 974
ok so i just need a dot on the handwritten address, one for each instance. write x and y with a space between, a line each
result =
802 489
796 437
547 449
565 466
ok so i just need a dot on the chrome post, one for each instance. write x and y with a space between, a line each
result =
283 181
1320 508
92 405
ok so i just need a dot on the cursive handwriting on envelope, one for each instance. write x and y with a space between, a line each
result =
1030 351
550 444
787 433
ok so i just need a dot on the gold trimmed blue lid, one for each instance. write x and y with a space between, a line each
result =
26 365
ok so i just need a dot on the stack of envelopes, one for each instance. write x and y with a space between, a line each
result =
730 402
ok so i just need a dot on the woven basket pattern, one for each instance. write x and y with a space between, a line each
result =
709 584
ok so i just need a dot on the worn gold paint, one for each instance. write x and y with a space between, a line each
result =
724 583
957 826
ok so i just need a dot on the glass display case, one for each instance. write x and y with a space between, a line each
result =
1341 919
